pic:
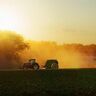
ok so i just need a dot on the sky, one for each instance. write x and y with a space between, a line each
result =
63 21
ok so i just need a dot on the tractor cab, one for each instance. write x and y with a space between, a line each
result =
32 61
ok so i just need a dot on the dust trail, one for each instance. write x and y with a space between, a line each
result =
69 56
14 51
11 44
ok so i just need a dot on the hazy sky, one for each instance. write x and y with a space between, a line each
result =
63 21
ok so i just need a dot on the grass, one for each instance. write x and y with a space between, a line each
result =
68 82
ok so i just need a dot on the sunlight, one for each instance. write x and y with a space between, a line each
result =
14 20
7 20
11 20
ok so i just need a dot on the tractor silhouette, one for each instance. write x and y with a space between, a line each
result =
32 64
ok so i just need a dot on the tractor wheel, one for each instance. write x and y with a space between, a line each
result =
25 66
54 66
36 66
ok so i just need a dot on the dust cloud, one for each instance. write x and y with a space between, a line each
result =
15 50
69 56
11 45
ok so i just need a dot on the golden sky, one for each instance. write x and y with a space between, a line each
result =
63 21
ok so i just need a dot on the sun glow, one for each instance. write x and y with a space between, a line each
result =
8 20
11 20
50 20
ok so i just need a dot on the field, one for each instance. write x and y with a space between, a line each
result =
67 82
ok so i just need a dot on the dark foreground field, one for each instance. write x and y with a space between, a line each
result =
81 82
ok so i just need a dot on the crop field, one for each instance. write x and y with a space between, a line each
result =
63 82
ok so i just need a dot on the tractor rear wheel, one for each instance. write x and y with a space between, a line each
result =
36 66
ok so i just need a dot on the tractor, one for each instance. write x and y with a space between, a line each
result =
49 64
31 64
